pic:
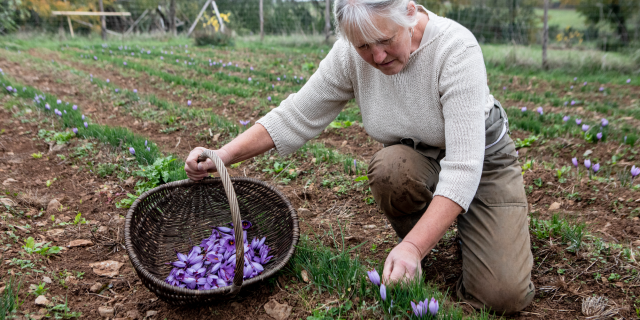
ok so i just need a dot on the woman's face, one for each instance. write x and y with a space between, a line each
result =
390 53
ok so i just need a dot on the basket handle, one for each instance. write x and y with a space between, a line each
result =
235 216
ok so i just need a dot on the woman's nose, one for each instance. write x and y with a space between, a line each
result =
379 54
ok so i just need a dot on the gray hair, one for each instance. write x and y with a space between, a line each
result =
355 17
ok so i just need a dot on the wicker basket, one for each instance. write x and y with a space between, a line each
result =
178 215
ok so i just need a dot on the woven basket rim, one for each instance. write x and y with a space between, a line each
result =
163 286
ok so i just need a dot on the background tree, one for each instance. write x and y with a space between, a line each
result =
615 12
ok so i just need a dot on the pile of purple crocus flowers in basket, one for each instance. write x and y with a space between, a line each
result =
212 264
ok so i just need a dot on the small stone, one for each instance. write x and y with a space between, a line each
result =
9 181
42 301
36 316
46 279
53 207
7 202
304 275
103 229
370 226
71 280
55 232
106 312
96 287
151 313
80 243
107 268
132 314
554 206
278 311
304 212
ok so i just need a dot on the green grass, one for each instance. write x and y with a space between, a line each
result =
571 234
9 301
564 18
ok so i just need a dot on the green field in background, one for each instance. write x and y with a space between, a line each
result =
564 18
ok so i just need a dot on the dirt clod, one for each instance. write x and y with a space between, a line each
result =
106 312
276 310
151 313
95 287
80 243
53 207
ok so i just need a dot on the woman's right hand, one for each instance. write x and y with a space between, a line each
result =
199 170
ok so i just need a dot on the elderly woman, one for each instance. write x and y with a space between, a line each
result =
421 85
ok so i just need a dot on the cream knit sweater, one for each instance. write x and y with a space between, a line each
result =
440 98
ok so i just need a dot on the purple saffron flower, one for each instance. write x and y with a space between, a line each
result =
177 61
229 243
374 277
188 102
47 106
269 98
86 125
108 81
75 130
575 78
125 63
145 143
584 84
599 135
133 54
587 163
604 122
132 150
628 80
635 171
75 107
249 79
539 110
596 167
245 122
383 292
117 90
278 79
135 90
83 117
59 101
161 58
571 87
578 121
601 89
433 306
246 224
524 109
585 127
566 118
95 58
573 102
251 68
9 88
575 162
504 88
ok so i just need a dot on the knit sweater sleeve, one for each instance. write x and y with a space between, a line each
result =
462 94
303 115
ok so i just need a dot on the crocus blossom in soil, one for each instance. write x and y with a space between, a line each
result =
188 102
628 80
135 90
75 107
433 306
587 163
599 135
635 171
269 98
244 122
383 292
47 106
566 118
524 109
578 121
83 117
596 167
418 309
58 101
575 162
539 110
601 89
86 125
585 127
75 130
132 150
604 122
374 277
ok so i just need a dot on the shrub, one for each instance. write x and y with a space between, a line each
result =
205 38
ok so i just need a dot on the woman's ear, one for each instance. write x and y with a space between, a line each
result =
411 9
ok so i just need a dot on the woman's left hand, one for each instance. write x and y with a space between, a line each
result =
403 263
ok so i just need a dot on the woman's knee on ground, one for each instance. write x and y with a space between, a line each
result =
402 180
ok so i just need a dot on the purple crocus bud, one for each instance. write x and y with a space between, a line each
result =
58 101
125 63
278 79
566 118
108 81
601 89
149 149
177 61
539 110
628 80
269 98
65 111
587 163
224 229
132 150
585 127
573 102
188 102
599 135
47 106
383 292
133 54
596 167
635 171
9 88
148 52
251 68
575 162
244 122
95 58
578 121
504 88
145 143
566 102
75 107
117 90
418 309
604 122
135 90
249 79
571 87
83 117
374 277
272 86
585 83
433 306
75 130
86 125
524 109
161 58
301 78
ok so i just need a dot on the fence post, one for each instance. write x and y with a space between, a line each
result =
545 36
172 18
103 22
261 22
327 21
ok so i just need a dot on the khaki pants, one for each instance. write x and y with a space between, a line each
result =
494 234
